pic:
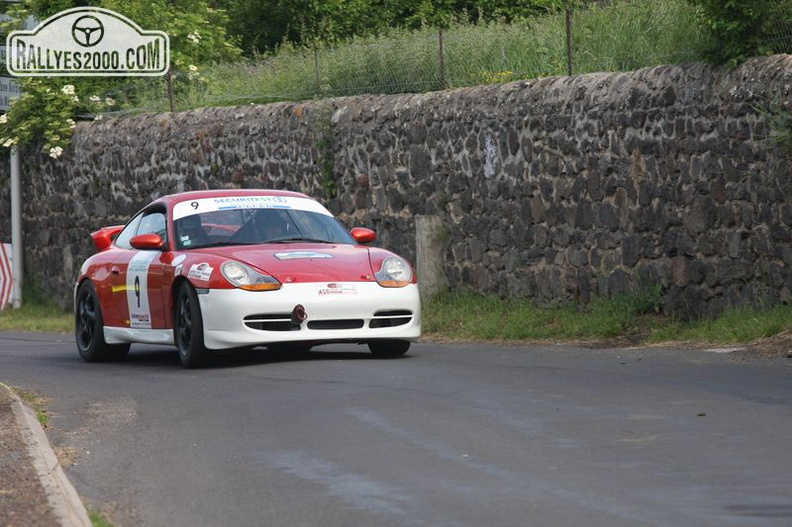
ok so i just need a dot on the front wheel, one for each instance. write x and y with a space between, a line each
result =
386 349
188 332
89 328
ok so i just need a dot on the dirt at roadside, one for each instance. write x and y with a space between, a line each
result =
22 500
777 346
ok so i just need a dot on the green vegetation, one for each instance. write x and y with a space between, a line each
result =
741 29
621 36
39 405
263 26
735 326
98 519
38 312
324 125
36 317
227 53
46 114
780 121
630 318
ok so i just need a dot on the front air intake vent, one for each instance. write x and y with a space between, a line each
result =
392 318
351 323
272 322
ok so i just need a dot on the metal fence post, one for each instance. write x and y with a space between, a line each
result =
16 228
441 51
569 40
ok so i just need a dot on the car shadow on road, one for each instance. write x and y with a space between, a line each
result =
151 356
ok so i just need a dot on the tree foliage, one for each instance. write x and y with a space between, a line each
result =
263 25
45 114
738 28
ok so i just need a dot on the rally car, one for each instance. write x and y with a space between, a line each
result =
223 269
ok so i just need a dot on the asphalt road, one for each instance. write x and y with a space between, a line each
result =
450 435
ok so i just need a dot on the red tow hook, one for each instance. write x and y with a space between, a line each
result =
298 315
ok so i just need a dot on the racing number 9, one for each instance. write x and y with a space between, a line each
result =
137 289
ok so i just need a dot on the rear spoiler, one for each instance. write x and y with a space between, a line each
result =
103 238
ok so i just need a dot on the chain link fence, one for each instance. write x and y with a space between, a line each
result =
779 31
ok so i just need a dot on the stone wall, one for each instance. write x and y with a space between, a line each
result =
559 189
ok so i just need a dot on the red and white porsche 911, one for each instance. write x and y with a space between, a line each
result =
223 269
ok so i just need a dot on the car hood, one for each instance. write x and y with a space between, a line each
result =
306 262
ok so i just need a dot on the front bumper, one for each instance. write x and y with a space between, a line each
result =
340 312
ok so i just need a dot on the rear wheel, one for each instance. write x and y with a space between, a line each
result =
385 349
89 328
188 332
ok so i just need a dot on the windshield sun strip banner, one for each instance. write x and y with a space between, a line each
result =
198 206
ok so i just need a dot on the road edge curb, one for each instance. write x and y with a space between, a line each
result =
66 505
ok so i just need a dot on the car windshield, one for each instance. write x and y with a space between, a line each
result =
257 226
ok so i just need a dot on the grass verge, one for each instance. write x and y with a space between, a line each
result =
36 317
630 318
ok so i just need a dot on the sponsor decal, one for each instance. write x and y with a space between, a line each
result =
140 320
87 42
336 289
277 201
137 289
301 255
188 208
200 271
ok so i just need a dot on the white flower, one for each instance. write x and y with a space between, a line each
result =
71 123
98 117
9 142
68 89
75 98
94 98
109 101
193 68
194 37
55 152
3 119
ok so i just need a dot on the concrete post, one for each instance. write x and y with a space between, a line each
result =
430 238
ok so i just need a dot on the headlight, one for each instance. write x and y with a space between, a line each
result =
395 272
244 277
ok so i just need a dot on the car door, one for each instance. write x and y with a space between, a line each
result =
137 275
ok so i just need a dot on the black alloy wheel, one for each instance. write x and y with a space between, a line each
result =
89 328
188 328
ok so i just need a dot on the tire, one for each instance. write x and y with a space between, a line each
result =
89 328
188 332
388 349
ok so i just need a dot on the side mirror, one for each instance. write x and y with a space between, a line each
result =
363 235
146 242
